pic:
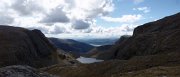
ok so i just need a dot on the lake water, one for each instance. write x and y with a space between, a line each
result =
88 60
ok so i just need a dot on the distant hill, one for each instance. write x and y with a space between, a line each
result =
97 51
101 52
99 41
72 46
107 53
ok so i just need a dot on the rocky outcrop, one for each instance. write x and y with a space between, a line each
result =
122 38
22 71
158 37
25 47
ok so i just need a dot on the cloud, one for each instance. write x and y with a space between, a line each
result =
56 29
87 9
57 15
79 13
123 19
5 15
121 29
80 24
99 32
26 7
44 29
138 1
124 28
66 31
144 9
67 17
55 11
4 19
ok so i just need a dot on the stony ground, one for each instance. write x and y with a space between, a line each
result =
22 71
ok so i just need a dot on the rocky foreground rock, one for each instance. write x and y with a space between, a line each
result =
22 71
19 46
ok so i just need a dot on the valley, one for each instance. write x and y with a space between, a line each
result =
153 50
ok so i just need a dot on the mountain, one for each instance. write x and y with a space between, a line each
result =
97 51
107 53
159 37
151 38
99 41
152 51
71 46
101 52
19 46
122 38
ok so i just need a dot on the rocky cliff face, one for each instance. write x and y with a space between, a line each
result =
25 47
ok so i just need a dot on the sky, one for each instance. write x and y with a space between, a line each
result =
84 18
